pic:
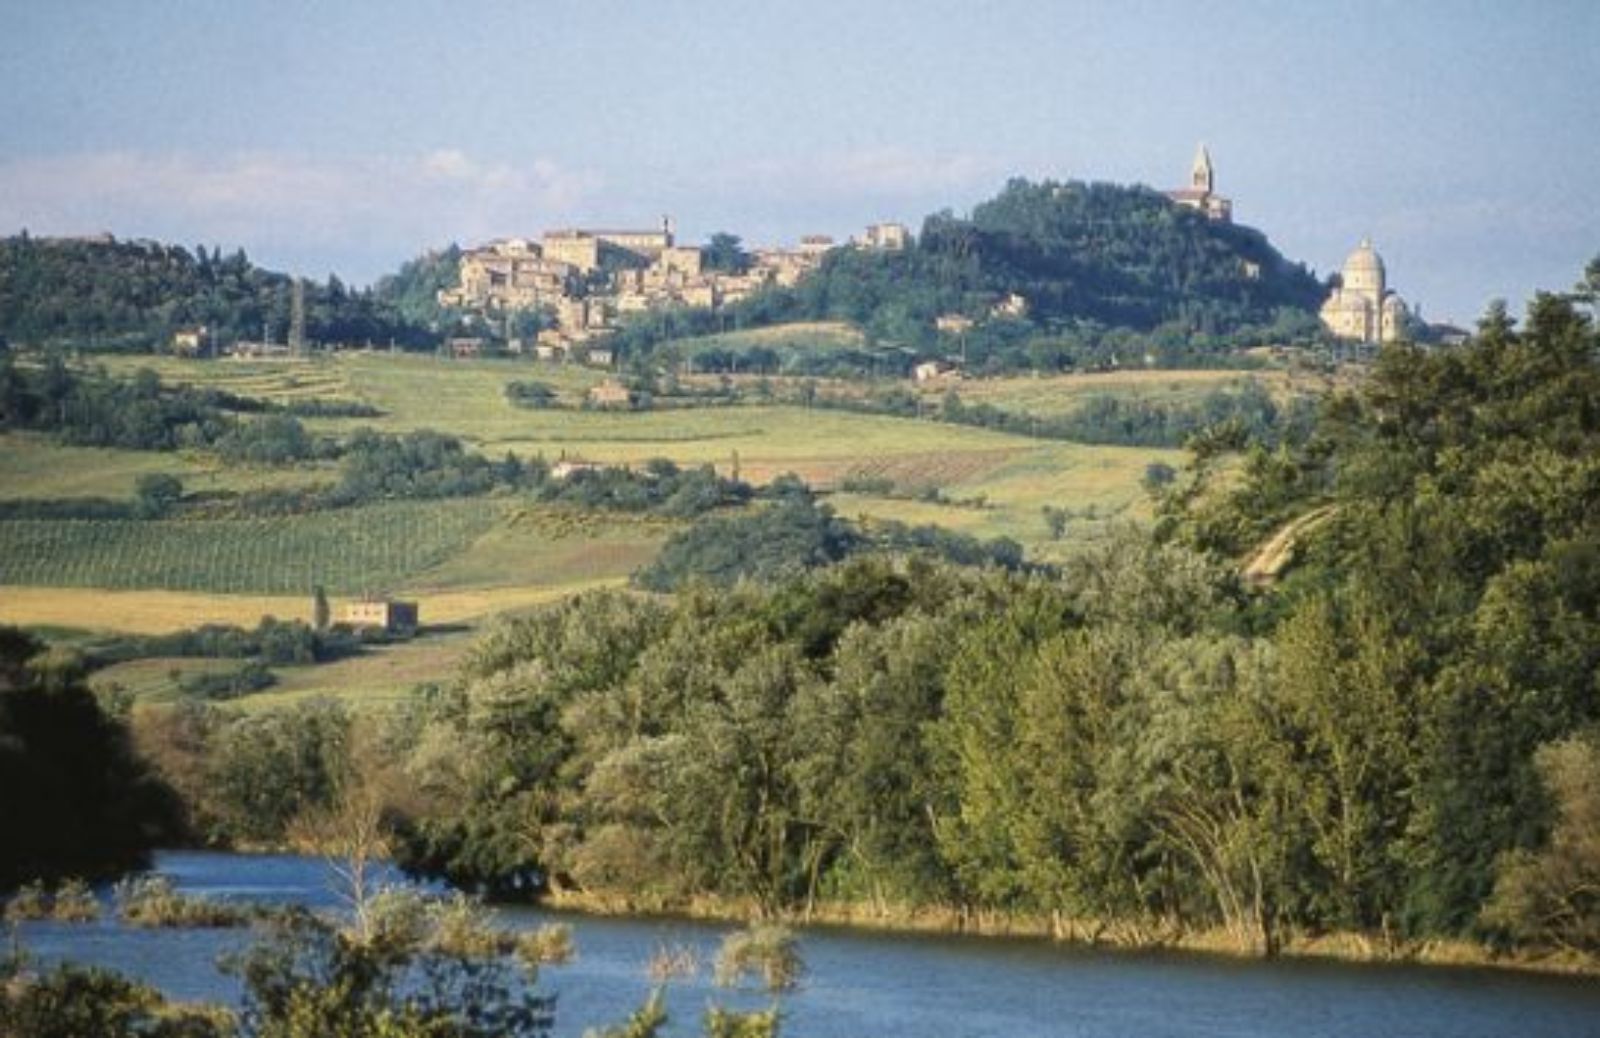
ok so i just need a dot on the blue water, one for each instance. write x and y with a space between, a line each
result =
871 985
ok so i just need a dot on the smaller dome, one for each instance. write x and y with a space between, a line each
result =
1394 304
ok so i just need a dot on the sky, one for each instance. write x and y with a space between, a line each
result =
344 138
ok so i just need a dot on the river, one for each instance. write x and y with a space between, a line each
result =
874 985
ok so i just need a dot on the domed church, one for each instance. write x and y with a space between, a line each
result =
1362 307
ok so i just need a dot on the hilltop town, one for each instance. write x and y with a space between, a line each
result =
588 279
586 282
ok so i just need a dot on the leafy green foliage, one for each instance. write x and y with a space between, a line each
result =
134 295
265 770
73 1001
789 537
659 486
796 534
1458 491
310 978
74 797
1549 896
1134 747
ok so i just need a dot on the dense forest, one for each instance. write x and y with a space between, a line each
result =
133 295
1394 733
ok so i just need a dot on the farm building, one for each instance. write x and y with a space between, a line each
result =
611 394
931 370
567 467
191 342
387 614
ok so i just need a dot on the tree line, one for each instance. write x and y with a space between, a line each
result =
134 295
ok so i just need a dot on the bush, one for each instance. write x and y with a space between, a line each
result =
227 684
76 903
464 929
76 1002
29 903
151 901
549 945
155 493
671 961
766 951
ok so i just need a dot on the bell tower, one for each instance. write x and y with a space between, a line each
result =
1201 177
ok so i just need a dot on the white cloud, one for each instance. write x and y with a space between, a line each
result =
396 204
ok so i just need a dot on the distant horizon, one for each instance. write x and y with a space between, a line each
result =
349 139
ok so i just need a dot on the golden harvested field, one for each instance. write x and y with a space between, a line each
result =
162 612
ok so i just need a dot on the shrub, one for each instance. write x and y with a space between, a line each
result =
766 951
227 684
670 961
75 1002
76 903
463 928
151 901
549 945
28 903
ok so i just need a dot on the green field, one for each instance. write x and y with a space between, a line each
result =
1060 395
375 677
376 548
33 467
468 560
1100 485
801 338
464 545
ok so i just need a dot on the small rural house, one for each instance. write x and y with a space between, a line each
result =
387 614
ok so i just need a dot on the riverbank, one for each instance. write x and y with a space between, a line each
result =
1130 936
1121 935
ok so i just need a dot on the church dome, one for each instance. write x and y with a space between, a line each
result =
1365 260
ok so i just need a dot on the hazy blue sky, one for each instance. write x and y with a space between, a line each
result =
343 137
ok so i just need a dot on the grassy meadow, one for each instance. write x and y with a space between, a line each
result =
1017 475
375 678
32 467
467 561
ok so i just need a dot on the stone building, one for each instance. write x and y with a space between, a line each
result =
512 274
1201 193
587 249
1362 307
889 237
386 614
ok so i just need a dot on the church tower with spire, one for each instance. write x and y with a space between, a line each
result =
1201 193
1200 174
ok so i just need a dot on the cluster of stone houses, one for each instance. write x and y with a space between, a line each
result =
588 279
